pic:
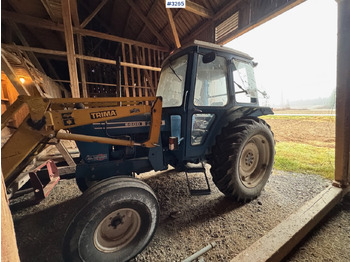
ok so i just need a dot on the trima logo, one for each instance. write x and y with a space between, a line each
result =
102 114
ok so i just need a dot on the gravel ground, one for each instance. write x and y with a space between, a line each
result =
188 223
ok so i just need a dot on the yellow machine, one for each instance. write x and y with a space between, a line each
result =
48 116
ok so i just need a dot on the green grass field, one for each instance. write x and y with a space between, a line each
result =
304 150
304 158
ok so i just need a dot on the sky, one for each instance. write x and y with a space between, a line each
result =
295 51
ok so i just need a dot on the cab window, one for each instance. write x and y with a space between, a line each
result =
211 83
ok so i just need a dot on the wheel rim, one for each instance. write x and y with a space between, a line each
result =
254 161
117 230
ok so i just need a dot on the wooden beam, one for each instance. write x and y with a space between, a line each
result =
130 14
173 27
101 22
198 9
118 39
75 18
287 6
150 73
68 33
31 21
94 13
138 74
145 67
24 42
35 49
177 14
96 59
277 243
342 138
89 83
74 13
84 57
46 24
48 10
150 11
147 22
228 7
132 71
31 55
208 4
126 81
82 66
11 74
113 62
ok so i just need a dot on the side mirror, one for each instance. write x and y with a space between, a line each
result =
209 57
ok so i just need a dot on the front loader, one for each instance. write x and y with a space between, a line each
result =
206 112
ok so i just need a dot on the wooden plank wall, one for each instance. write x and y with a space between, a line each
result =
9 250
139 82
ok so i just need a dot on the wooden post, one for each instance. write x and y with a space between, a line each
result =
342 140
75 18
9 251
138 72
82 66
126 82
132 72
155 73
68 33
118 78
150 72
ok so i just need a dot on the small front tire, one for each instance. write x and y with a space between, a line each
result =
116 220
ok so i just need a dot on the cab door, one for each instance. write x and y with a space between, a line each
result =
207 102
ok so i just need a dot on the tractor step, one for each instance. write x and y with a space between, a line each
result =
197 192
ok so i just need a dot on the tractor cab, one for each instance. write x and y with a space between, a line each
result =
202 86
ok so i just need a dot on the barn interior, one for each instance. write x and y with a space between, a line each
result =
115 48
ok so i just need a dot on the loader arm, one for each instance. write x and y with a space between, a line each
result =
48 116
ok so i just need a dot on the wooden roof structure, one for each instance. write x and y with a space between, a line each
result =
137 33
135 36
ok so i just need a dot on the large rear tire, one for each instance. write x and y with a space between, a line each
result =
242 158
116 220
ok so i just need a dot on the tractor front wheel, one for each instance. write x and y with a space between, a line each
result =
116 220
242 158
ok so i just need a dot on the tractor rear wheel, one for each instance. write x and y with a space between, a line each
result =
116 220
242 158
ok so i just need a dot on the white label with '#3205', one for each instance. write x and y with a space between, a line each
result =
175 4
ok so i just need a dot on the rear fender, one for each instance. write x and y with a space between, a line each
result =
233 114
245 111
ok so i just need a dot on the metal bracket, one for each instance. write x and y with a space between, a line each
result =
41 191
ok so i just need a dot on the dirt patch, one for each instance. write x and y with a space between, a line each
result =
316 133
187 223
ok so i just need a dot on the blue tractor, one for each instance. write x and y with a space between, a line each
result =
209 115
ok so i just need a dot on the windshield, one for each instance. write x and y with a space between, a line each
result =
172 82
244 82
